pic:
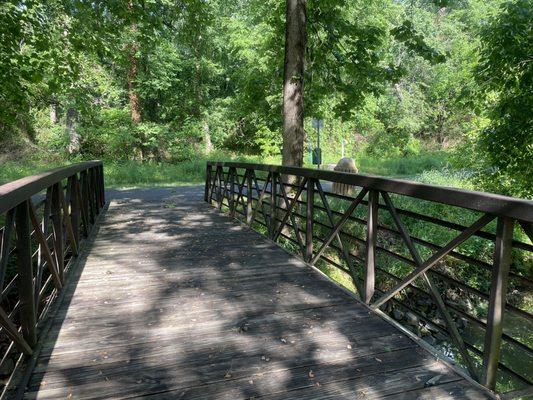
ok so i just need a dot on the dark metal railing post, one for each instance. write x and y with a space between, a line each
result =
220 171
85 196
208 172
74 208
82 205
498 292
102 185
232 172
273 204
310 206
249 196
58 230
91 191
28 317
371 236
96 190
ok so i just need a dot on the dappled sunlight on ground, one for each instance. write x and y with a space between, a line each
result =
177 301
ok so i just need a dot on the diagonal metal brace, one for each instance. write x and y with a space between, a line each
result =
345 252
295 224
336 229
456 336
464 235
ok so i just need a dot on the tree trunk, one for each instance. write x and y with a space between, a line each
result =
207 139
54 118
293 88
133 48
135 103
133 69
74 137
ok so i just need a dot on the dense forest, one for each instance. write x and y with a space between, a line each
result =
169 81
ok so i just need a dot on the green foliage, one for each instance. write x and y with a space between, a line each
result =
36 58
269 143
110 135
392 79
506 75
414 41
406 166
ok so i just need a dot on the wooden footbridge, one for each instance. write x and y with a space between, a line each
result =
153 293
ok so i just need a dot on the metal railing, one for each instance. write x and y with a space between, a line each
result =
43 220
466 288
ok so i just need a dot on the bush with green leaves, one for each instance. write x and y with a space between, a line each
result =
110 136
505 73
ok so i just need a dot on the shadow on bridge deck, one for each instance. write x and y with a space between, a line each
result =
174 300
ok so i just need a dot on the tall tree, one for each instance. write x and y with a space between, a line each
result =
133 58
293 86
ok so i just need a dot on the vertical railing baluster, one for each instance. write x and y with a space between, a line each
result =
498 292
28 318
249 196
232 172
371 236
273 204
220 171
208 172
88 197
310 205
96 188
45 223
90 191
95 194
81 204
214 188
74 209
58 230
102 186
85 196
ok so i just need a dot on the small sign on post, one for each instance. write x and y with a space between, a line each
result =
317 156
318 123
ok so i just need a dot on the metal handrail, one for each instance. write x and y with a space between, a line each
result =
264 196
520 209
69 201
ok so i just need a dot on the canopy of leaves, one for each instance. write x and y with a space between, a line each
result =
505 73
391 78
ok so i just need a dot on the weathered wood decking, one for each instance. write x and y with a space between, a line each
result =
177 301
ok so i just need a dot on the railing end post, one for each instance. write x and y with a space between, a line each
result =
208 172
498 292
371 238
249 197
310 203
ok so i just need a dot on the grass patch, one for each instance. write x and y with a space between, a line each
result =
137 174
406 166
132 173
13 170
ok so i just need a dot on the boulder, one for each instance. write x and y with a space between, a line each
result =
345 164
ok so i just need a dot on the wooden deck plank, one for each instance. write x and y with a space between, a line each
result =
177 301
